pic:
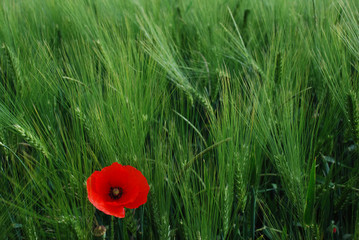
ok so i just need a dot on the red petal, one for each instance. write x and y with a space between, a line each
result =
117 211
97 188
144 188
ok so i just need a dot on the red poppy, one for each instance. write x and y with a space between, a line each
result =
117 187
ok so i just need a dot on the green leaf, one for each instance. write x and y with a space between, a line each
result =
309 204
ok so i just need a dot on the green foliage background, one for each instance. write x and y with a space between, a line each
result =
242 115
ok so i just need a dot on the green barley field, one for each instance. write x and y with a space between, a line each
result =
243 115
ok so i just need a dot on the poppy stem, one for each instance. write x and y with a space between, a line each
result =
112 229
96 222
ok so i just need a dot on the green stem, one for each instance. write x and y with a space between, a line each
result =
112 229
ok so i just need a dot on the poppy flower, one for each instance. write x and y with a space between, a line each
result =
117 187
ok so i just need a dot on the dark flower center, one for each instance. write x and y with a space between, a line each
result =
115 192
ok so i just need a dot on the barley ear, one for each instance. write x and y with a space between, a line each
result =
32 140
353 115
